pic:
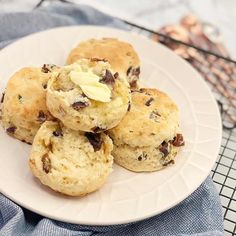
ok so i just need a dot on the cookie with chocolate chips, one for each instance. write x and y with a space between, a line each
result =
148 137
121 55
24 103
70 162
88 96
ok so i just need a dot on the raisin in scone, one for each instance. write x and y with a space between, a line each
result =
24 102
68 161
148 137
121 55
88 96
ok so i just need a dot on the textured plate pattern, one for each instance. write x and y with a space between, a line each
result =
126 196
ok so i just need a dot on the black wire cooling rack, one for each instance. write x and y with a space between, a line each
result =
224 171
223 86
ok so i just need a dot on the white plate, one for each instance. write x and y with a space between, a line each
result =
126 196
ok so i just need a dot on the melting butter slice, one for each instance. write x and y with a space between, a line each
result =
90 85
100 92
83 78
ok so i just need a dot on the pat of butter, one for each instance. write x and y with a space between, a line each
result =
99 92
90 85
83 78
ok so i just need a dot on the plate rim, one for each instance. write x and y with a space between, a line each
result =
134 219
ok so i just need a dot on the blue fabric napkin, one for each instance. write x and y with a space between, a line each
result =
200 214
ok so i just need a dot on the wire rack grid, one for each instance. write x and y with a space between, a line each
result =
224 170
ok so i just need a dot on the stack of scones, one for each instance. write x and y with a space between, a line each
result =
82 116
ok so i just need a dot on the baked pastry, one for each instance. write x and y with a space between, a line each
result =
88 96
121 55
70 162
24 102
148 137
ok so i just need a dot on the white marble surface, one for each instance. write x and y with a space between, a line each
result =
156 13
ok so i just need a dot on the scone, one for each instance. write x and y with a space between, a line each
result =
88 96
121 55
70 162
148 137
24 102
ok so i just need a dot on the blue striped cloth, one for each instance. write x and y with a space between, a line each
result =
199 215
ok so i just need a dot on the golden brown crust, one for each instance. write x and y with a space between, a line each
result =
139 159
66 101
121 55
24 105
70 162
153 118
